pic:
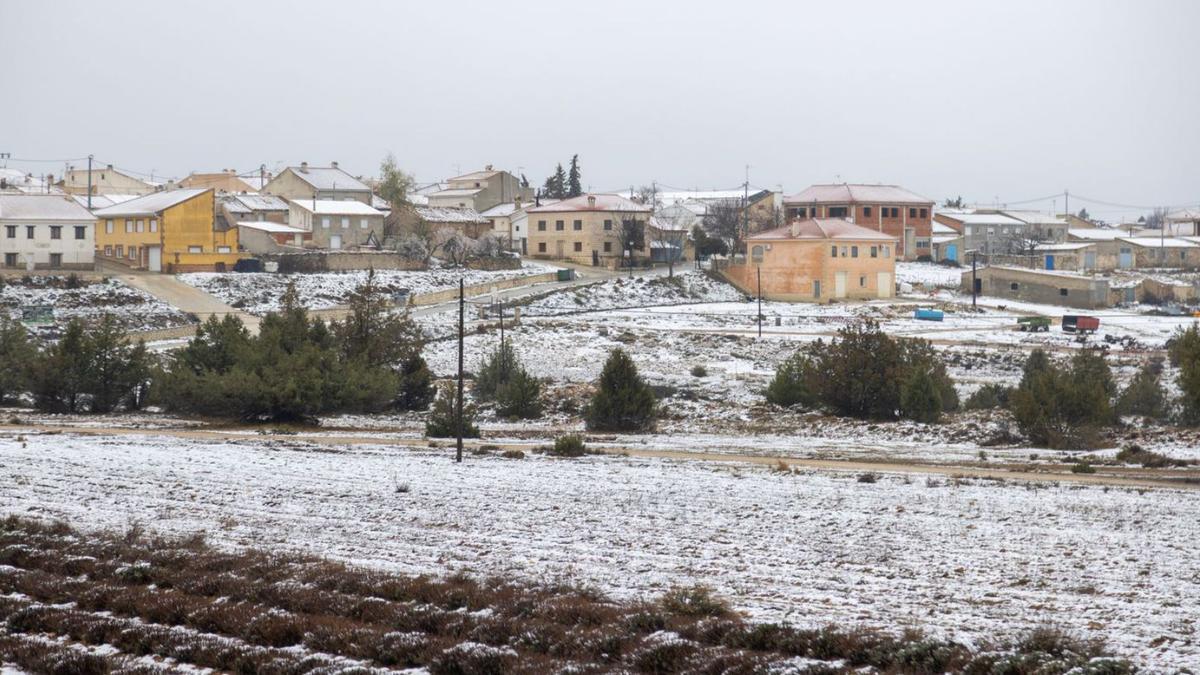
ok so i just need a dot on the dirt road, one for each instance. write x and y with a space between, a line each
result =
187 298
1110 476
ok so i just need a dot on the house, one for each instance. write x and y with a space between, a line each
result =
106 180
818 260
1039 286
45 232
317 182
889 209
1071 256
102 201
987 232
588 229
508 220
1118 249
170 231
480 190
260 236
464 219
1183 222
1040 226
227 181
253 207
946 243
337 224
20 182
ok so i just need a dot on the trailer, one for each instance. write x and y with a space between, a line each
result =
1084 325
1034 324
928 315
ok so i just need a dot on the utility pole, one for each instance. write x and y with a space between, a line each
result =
760 314
974 279
746 205
89 182
458 414
262 176
1067 201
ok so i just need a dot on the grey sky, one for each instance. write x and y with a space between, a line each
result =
1013 100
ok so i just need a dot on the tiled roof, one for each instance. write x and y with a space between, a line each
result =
845 193
823 228
603 202
151 204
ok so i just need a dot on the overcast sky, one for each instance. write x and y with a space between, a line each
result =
1007 100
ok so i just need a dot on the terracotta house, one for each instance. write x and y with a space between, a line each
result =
818 260
889 209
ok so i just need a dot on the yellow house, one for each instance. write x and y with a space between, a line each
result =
172 231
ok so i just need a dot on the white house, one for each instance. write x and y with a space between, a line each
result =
337 224
46 232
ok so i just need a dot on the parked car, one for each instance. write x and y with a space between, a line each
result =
1074 323
1034 324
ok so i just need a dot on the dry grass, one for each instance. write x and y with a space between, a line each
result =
257 612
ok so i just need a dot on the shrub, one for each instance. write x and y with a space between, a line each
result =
443 419
1136 454
92 368
919 399
693 601
571 445
1144 395
512 454
794 382
867 477
623 401
520 397
416 384
989 396
699 371
1083 466
1184 352
473 658
500 365
17 351
1060 407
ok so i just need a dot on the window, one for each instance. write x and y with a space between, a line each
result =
887 251
558 225
120 251
29 232
756 254
108 251
837 212
862 281
866 212
108 226
345 222
154 224
541 247
128 225
10 259
895 212
991 231
924 213
325 222
845 252
579 247
853 251
56 231
1014 286
1063 292
80 232
802 213
608 224
363 224
141 225
10 231
874 251
195 249
912 213
922 243
56 260
832 251
224 249
133 252
608 246
541 226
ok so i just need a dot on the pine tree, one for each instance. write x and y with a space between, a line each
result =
520 397
1185 355
495 372
556 185
574 179
374 334
919 398
108 377
794 382
416 384
443 419
60 372
1144 395
623 401
17 352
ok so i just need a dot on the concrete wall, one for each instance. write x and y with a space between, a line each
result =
790 269
331 261
483 289
1045 288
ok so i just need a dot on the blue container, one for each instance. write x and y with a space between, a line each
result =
928 314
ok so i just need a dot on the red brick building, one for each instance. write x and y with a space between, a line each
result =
885 208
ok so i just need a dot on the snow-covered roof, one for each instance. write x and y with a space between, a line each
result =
1035 217
41 207
380 203
592 202
943 229
1097 234
150 204
1071 246
336 207
450 214
501 210
103 201
1184 215
457 192
261 202
274 228
843 193
983 219
476 175
822 228
1160 242
945 238
328 178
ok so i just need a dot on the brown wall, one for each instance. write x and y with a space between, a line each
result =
790 268
577 245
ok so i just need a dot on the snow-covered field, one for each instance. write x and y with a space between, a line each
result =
260 293
687 286
929 275
966 559
88 300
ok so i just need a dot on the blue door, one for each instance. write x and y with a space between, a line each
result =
952 252
1049 262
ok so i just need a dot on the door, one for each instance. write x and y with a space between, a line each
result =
910 243
884 282
952 252
816 289
1089 260
839 284
1049 262
1125 260
558 249
595 258
154 258
335 241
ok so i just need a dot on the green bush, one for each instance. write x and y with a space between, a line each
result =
500 366
571 445
919 398
699 371
1057 407
795 382
623 401
988 397
443 419
91 368
1184 351
17 351
1144 395
520 397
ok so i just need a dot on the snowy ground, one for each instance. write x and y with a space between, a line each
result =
929 275
687 286
260 293
89 300
967 559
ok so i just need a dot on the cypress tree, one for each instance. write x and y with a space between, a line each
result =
574 179
623 401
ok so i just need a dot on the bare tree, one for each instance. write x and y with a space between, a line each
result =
724 220
645 194
1157 219
455 246
632 235
670 231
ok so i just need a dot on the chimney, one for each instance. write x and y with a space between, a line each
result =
591 201
333 164
303 167
110 167
488 167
